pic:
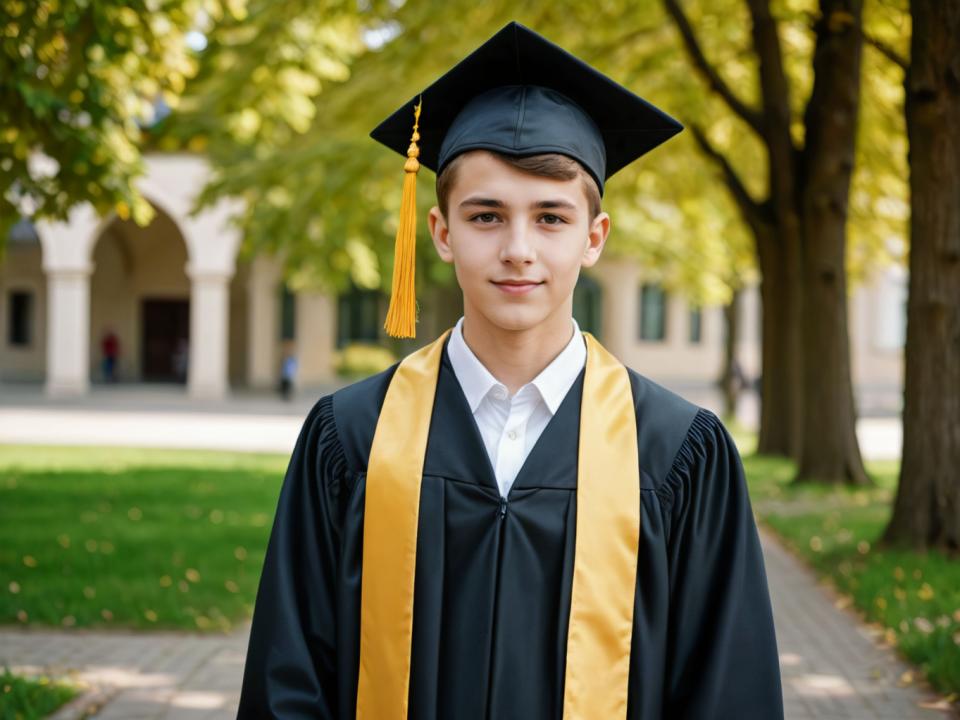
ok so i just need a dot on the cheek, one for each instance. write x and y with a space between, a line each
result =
470 262
473 252
564 262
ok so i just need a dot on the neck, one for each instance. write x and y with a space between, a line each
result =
515 357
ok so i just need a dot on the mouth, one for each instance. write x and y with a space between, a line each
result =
517 287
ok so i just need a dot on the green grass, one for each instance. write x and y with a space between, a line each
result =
23 698
99 537
914 596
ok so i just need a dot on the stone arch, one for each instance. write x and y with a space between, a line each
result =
140 292
172 182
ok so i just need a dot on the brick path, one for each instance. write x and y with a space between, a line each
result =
136 676
832 667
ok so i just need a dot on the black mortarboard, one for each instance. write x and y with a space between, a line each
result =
517 94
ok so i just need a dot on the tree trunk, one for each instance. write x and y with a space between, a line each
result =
800 234
781 393
781 424
830 452
926 511
733 378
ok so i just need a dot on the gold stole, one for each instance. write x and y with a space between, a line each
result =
605 562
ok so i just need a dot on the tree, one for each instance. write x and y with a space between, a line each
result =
926 511
78 80
328 196
800 232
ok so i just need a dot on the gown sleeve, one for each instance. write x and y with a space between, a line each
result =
289 671
723 662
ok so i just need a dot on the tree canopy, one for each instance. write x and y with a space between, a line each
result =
280 97
78 79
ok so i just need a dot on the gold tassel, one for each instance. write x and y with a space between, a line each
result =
402 313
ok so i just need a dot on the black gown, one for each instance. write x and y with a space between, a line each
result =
493 577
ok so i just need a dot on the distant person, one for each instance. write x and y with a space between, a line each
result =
110 348
288 372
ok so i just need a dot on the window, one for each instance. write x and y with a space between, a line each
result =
20 325
288 314
696 325
653 312
587 305
358 316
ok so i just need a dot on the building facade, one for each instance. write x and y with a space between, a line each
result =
174 304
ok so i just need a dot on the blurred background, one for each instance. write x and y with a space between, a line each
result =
196 241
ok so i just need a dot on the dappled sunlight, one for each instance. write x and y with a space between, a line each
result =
125 677
199 700
790 660
817 685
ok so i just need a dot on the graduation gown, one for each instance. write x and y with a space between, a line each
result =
493 576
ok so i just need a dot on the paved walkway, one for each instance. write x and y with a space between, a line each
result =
832 665
135 676
152 416
164 416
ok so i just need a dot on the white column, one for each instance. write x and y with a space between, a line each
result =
749 347
315 337
67 252
68 331
209 324
263 315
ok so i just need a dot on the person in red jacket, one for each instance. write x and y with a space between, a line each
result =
110 349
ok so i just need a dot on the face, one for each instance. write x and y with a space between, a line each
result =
517 242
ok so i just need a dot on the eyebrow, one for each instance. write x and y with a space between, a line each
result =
495 203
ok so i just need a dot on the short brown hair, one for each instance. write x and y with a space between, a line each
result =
549 165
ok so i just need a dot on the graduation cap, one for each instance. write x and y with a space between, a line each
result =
517 94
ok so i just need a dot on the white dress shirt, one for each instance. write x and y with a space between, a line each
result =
511 425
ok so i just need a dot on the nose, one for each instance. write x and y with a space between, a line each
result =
516 247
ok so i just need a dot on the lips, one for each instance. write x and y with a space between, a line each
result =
517 282
517 287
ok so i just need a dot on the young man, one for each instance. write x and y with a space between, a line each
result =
509 523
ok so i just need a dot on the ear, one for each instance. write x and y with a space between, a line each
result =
596 239
440 234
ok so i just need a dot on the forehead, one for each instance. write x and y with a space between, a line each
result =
482 171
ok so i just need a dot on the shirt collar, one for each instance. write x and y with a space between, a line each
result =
553 382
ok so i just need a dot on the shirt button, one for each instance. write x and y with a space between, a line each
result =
499 392
512 434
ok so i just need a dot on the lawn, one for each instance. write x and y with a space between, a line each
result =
98 537
915 597
28 698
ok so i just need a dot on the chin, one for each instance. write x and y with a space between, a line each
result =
517 319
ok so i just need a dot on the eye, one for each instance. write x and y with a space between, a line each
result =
489 218
554 219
